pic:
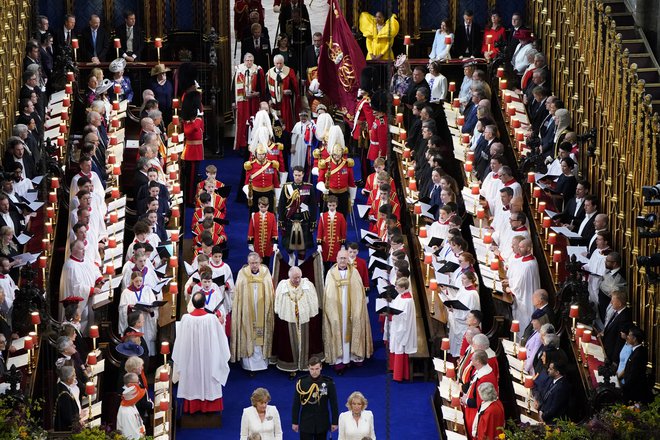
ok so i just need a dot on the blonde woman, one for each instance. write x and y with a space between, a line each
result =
356 423
261 419
7 246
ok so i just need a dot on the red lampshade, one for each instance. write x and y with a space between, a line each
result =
541 207
45 244
455 401
412 185
164 347
91 359
556 257
113 141
176 188
522 353
158 42
164 375
579 330
470 156
48 226
465 138
500 72
164 405
448 41
175 119
406 153
451 372
43 262
445 344
114 123
176 213
507 98
117 88
94 331
90 389
28 343
475 189
468 166
112 243
406 40
411 172
68 89
399 118
547 222
110 269
396 100
529 382
531 178
495 264
520 136
428 258
481 214
586 336
52 197
60 141
515 123
172 175
174 261
417 208
63 128
511 110
403 135
64 115
117 43
35 318
66 102
537 192
422 232
175 103
552 238
174 236
115 105
504 84
489 39
116 170
452 84
114 193
174 288
114 217
175 138
50 212
515 326
456 103
488 238
433 284
70 77
54 182
460 121
575 311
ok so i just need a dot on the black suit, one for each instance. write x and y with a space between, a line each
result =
138 42
66 409
315 418
467 45
87 48
569 216
261 53
309 60
18 222
554 403
60 40
636 387
612 342
587 231
29 167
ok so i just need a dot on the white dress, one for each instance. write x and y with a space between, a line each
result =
349 430
269 429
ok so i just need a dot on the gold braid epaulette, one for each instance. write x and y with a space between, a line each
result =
306 396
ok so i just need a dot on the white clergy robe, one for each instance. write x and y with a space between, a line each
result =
78 279
457 319
226 289
523 275
298 142
130 297
213 296
596 266
403 327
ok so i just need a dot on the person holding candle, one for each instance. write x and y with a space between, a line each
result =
442 43
493 34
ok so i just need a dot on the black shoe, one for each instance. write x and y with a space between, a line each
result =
359 183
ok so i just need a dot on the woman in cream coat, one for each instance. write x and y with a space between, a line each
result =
261 418
356 423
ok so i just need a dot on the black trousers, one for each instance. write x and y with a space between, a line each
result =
343 203
308 436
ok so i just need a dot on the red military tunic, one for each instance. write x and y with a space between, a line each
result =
321 153
218 203
338 177
378 138
262 233
331 235
363 115
194 140
264 177
392 201
217 233
200 186
199 215
375 192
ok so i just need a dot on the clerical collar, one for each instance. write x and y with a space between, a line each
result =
76 259
510 182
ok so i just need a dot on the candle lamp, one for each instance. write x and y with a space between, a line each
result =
541 209
52 197
175 121
68 88
465 138
428 259
586 339
495 267
176 213
574 313
504 84
412 186
28 344
158 42
164 375
176 188
117 43
522 356
481 215
110 272
45 246
456 403
35 318
552 240
529 384
70 77
579 331
94 334
116 171
91 359
500 72
460 120
174 289
43 262
74 46
531 179
114 192
444 346
403 135
174 263
66 102
423 232
399 118
488 238
515 328
406 42
433 285
114 122
456 104
547 222
175 105
396 101
556 258
165 350
90 390
112 242
536 193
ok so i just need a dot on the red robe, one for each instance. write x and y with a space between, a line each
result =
361 266
217 233
218 203
331 235
200 186
375 206
474 400
262 233
286 106
378 144
194 140
490 422
375 192
199 214
363 114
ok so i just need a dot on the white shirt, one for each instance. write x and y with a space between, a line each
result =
584 222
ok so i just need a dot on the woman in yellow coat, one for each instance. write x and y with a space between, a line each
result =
379 34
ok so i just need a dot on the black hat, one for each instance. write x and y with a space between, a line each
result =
368 79
538 313
379 102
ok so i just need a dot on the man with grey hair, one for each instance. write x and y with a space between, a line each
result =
480 342
490 419
482 373
297 333
67 409
94 42
68 356
283 91
540 300
253 315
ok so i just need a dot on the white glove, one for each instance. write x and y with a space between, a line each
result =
283 176
321 187
246 189
275 250
315 171
319 249
251 247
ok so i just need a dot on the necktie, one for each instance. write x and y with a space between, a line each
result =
94 41
256 43
316 51
68 37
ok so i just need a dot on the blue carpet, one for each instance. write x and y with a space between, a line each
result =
411 414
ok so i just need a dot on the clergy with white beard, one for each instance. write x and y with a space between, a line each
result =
253 316
346 327
297 323
523 280
80 278
402 331
201 356
137 293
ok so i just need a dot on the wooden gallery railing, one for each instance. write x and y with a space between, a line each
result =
14 16
592 70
